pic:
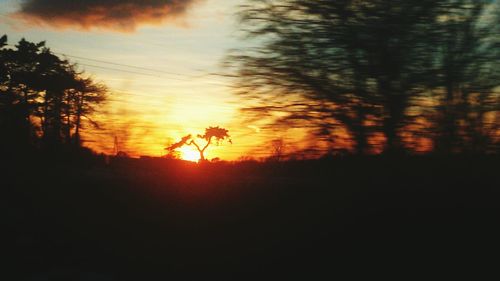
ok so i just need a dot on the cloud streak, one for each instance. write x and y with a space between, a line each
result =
121 15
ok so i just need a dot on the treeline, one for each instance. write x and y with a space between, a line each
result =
375 76
45 102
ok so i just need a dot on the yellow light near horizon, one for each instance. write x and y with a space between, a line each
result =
189 153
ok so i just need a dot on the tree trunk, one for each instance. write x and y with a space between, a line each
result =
45 117
27 116
202 157
68 119
395 105
448 130
360 132
79 112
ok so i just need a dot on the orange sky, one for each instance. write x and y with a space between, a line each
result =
159 76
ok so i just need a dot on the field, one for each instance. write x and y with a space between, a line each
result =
152 219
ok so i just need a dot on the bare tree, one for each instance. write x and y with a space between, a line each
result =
278 149
369 69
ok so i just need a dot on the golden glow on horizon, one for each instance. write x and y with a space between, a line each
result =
189 153
172 96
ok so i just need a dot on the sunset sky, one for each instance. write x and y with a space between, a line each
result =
157 58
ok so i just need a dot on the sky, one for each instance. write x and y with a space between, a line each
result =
158 58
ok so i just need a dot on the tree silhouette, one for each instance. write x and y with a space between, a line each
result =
212 134
365 67
277 149
43 98
85 97
469 59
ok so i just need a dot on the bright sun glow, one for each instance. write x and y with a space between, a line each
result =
189 153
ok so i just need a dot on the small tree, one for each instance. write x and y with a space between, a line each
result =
211 133
278 149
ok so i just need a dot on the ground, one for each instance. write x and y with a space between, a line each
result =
154 219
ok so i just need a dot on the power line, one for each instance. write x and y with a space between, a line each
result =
171 100
122 70
151 75
177 106
124 65
187 79
197 100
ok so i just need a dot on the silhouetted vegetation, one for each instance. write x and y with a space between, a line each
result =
211 134
45 102
151 219
392 76
366 77
277 149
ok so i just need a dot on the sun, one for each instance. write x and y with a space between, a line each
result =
188 153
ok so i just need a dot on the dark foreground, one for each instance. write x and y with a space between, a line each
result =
157 220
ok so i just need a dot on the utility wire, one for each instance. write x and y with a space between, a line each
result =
194 99
195 103
187 79
152 75
121 70
124 65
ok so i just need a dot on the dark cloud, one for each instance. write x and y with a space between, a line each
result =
124 15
